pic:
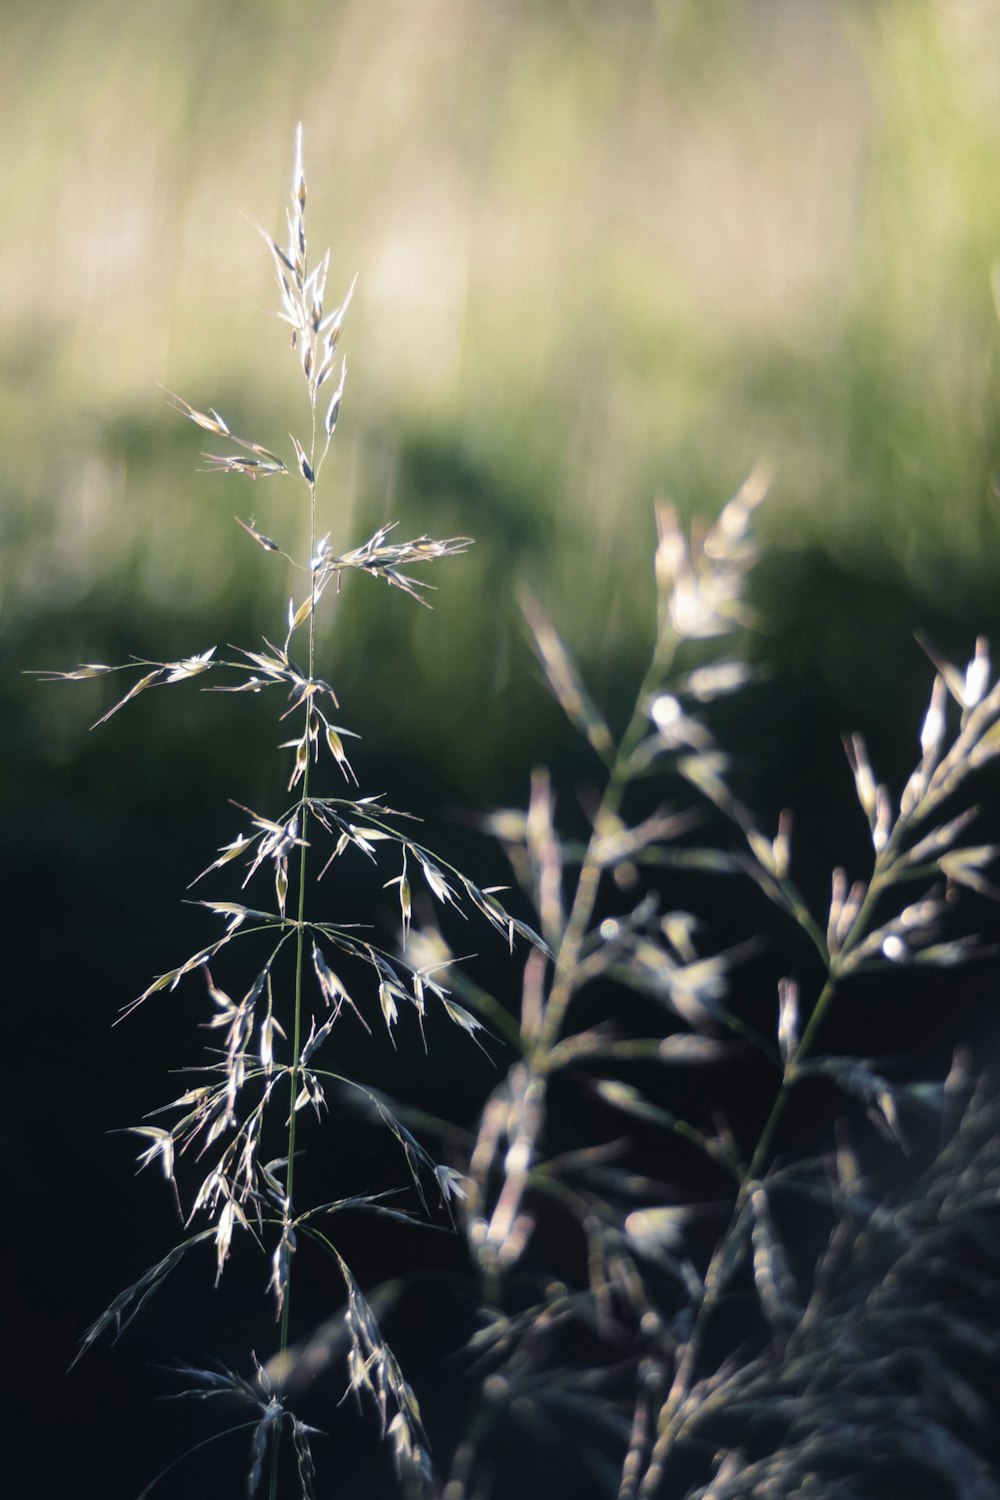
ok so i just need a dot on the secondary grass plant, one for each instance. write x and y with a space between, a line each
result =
727 1292
769 1304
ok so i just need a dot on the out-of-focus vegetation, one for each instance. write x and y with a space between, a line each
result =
606 252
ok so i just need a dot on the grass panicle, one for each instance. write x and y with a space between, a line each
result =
232 1141
725 1339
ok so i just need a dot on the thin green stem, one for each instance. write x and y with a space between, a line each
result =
286 1306
672 1415
540 1045
567 959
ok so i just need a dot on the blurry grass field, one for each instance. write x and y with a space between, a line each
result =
605 253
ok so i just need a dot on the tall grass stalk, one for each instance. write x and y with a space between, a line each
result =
244 1118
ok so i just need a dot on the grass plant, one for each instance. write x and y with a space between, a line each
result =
270 1063
689 1277
783 1314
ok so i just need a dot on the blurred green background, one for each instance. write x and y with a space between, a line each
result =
608 251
